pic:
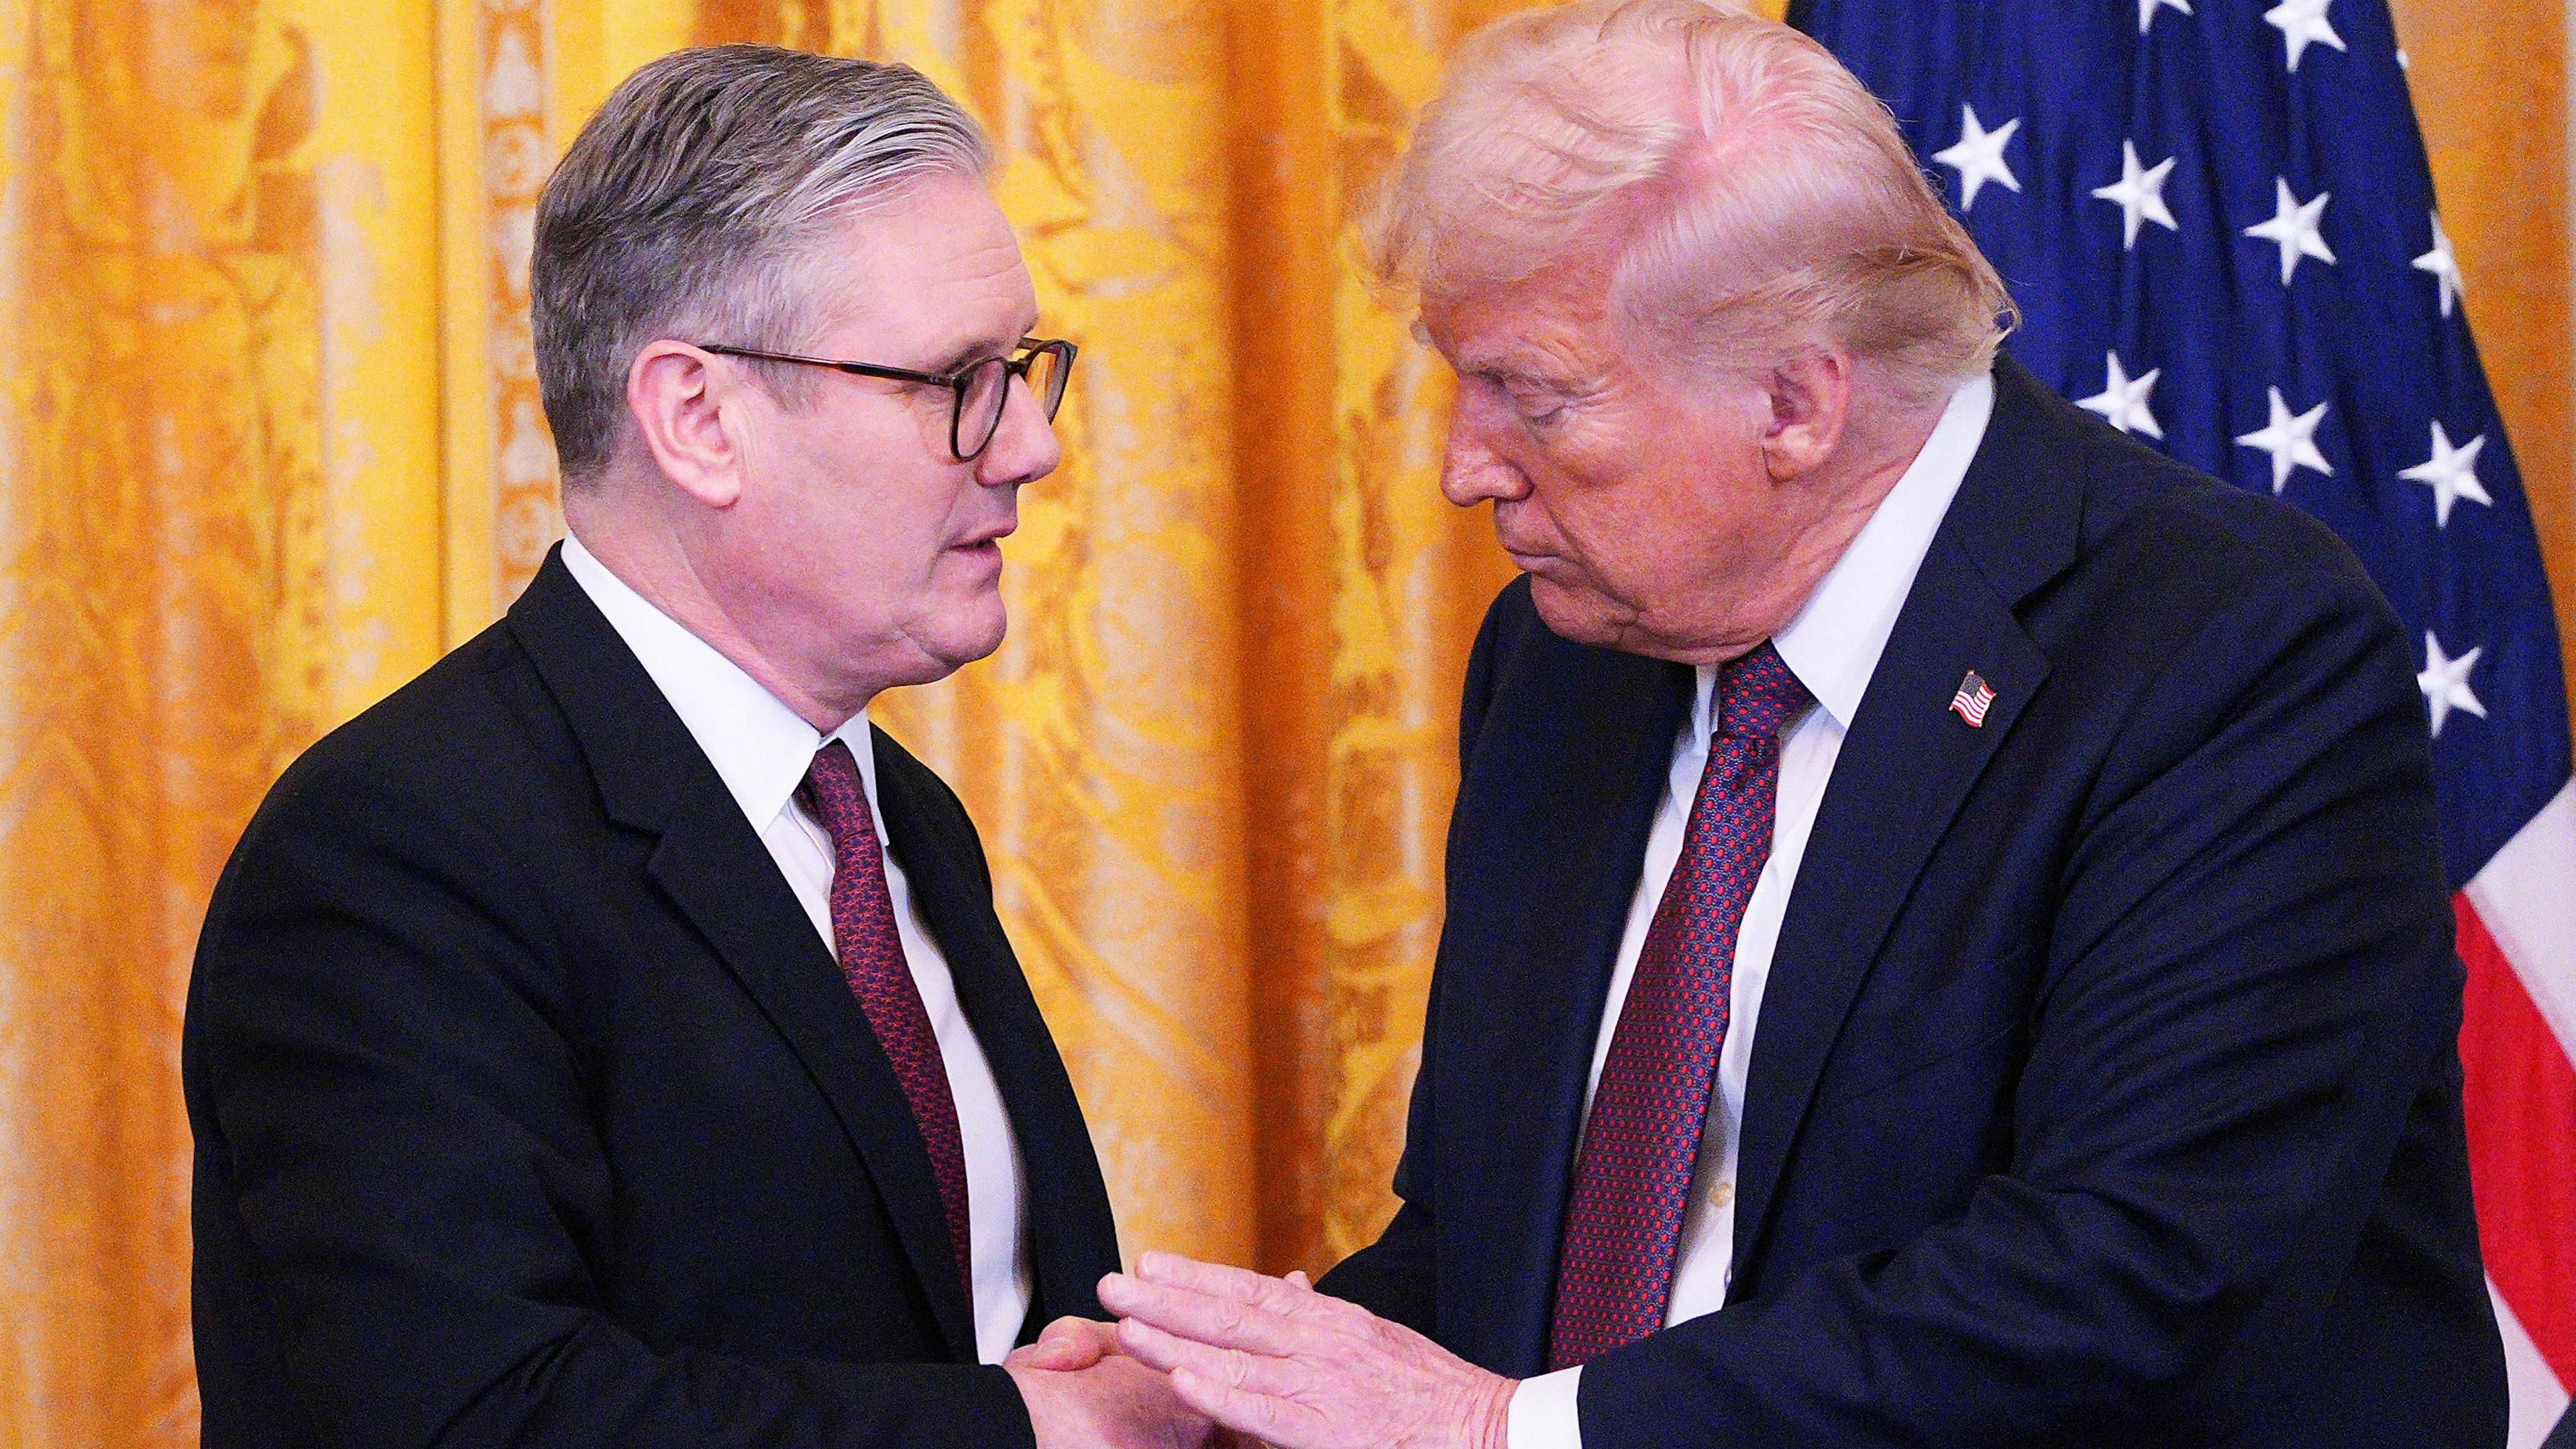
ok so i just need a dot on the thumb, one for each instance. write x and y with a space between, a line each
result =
1066 1345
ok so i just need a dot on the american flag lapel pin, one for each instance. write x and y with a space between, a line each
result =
1974 698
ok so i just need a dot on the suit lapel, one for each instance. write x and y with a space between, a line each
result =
1072 1239
1908 763
653 777
1566 790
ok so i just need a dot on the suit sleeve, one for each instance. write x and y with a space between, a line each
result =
1395 1277
394 1125
2250 979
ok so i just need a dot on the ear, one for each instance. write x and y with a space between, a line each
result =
681 401
1810 396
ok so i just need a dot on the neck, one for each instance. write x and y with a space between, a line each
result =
650 556
1839 500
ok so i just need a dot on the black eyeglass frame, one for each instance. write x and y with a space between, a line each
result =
958 383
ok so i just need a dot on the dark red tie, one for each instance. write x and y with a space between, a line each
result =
872 961
1632 1185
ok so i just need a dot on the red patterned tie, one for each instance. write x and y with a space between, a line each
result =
872 961
1615 1272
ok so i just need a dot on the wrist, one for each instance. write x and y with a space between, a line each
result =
1494 1424
1026 1392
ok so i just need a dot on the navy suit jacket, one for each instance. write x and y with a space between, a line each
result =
531 1110
2106 1089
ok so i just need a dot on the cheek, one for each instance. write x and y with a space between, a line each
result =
884 498
1637 538
1597 512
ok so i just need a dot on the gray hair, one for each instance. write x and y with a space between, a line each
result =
687 205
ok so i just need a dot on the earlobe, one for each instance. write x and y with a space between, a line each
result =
681 403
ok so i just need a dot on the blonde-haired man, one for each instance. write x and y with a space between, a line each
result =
1945 941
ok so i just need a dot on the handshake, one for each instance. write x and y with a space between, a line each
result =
1201 1351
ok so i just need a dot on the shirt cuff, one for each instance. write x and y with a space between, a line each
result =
1542 1413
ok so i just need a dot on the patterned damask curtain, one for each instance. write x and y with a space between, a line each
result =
269 442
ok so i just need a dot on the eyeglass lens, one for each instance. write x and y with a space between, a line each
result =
987 392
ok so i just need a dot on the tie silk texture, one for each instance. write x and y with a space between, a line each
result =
1624 1225
872 961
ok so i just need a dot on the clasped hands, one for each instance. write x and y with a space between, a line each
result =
1201 1349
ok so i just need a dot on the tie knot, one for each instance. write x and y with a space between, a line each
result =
1757 694
837 797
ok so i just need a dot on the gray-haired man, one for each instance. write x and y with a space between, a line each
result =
608 1040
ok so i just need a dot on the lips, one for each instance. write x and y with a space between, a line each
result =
989 537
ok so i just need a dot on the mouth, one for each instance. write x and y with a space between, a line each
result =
988 542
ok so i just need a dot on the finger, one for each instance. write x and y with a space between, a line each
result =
1271 1421
1065 1354
1067 1327
1154 1348
1049 1356
1252 1372
1097 1338
1223 1322
1217 1279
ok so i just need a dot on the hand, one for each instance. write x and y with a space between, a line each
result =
1066 1346
1115 1403
1276 1360
1072 1343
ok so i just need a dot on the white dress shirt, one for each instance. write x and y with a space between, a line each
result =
761 750
1832 646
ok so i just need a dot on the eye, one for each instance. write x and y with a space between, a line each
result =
1537 403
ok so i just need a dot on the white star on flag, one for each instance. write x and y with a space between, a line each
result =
2122 402
2295 228
2139 193
2445 682
2147 11
1979 157
2444 264
2452 474
2302 23
2292 442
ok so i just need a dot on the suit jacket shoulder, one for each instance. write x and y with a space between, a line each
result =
530 1107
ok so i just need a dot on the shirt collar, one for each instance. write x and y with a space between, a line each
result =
761 749
1833 643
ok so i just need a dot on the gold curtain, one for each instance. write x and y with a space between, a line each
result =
269 442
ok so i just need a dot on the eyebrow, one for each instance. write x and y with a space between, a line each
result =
977 350
1505 370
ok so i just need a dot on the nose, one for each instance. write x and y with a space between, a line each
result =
1024 447
1473 468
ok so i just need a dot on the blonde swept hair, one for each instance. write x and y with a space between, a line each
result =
1752 192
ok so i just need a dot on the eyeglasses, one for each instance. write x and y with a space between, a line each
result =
979 392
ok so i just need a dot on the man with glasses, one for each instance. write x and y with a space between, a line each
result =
609 1040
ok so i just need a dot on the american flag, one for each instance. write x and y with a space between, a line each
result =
1974 698
2218 220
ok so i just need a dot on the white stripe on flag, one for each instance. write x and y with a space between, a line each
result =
2539 1400
2527 897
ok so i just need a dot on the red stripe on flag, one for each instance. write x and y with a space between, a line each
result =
2520 1098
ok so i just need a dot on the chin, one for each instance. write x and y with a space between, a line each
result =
967 634
1575 614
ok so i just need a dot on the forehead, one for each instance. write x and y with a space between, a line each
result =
1560 313
935 263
